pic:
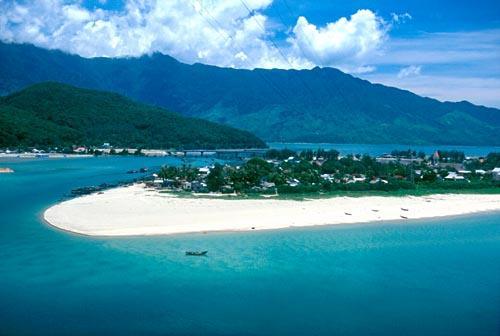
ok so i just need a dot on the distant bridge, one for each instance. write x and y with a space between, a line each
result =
223 153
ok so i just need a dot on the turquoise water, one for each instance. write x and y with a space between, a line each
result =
380 149
428 277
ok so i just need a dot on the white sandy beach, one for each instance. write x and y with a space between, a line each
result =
135 210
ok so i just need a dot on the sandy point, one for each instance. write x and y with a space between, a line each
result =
135 210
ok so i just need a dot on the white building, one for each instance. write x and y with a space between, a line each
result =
204 170
454 176
496 174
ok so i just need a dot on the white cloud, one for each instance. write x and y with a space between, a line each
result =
442 48
478 90
224 33
76 14
219 32
347 43
201 31
458 65
400 18
410 71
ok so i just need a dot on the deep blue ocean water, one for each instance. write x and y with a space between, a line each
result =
427 277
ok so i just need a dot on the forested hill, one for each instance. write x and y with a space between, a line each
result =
318 105
54 114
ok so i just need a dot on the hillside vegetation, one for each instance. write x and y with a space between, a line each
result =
318 105
54 114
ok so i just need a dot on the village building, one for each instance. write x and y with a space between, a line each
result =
454 176
80 149
204 170
496 174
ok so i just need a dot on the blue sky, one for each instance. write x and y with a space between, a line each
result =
428 15
449 50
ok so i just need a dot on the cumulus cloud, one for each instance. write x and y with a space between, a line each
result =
230 33
345 42
209 32
410 71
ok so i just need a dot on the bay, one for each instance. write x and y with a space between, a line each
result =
434 277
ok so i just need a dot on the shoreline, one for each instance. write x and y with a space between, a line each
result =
137 211
400 221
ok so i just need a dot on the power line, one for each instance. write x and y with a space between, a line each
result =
308 41
211 23
229 38
275 45
264 31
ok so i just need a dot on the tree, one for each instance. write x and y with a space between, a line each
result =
307 154
332 154
282 154
443 173
429 176
168 172
215 179
330 166
256 169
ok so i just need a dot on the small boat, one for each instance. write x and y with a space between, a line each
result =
404 209
348 214
375 210
404 217
196 253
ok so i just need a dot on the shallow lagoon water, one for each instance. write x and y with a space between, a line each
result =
435 277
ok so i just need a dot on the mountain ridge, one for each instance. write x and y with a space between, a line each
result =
317 105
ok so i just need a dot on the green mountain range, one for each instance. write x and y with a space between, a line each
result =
318 105
54 114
